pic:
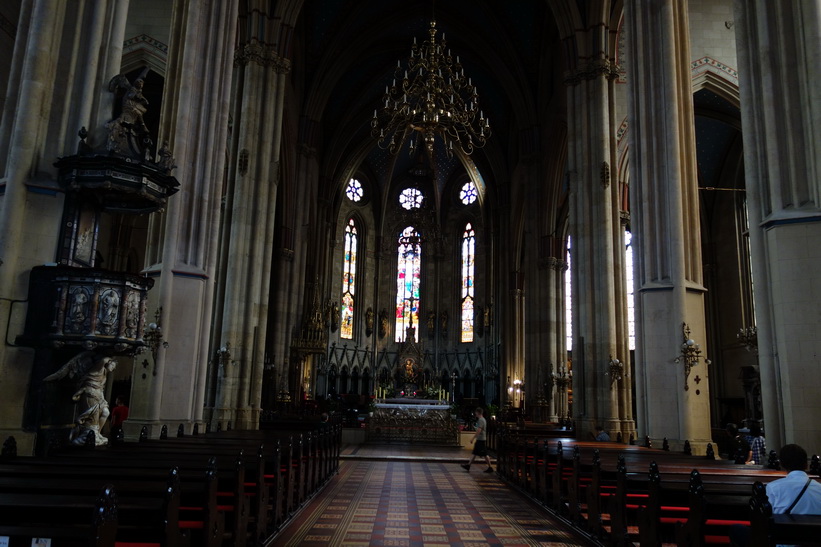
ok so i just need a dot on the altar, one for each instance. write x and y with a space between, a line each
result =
408 420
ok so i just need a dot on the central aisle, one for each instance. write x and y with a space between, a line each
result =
422 503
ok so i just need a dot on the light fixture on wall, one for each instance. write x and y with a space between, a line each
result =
749 337
615 369
690 354
430 97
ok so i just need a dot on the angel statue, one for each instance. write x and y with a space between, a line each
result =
128 133
90 370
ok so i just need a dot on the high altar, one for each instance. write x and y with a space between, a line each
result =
413 420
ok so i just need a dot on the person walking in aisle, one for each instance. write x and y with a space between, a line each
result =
480 439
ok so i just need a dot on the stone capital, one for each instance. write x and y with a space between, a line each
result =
590 71
263 55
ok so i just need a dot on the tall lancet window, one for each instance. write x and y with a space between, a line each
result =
568 301
628 278
408 277
348 280
468 266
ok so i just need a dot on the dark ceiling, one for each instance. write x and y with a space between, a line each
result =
352 47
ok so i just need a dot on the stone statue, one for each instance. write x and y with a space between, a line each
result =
165 159
443 323
383 323
128 134
91 370
369 321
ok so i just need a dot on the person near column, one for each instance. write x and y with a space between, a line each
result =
601 435
739 447
758 447
119 414
480 439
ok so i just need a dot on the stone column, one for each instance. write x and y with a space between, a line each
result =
779 44
665 223
182 251
260 90
594 270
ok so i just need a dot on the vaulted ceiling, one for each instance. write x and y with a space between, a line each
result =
350 48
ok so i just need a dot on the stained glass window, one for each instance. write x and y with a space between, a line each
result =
348 280
468 194
468 259
568 301
631 303
354 190
411 198
408 278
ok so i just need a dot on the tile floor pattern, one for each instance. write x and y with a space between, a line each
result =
419 504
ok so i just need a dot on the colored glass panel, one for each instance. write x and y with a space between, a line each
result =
354 190
411 198
468 194
468 269
408 281
348 280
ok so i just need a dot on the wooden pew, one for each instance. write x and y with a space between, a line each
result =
64 527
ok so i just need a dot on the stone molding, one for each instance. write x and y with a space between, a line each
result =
264 56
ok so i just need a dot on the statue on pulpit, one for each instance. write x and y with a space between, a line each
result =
91 370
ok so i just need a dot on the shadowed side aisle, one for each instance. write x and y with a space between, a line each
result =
419 503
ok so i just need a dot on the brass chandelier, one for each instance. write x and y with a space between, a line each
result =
430 96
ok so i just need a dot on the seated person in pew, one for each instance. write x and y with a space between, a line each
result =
740 450
758 447
600 435
795 494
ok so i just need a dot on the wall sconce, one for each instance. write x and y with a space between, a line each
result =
690 354
563 379
749 337
154 335
615 369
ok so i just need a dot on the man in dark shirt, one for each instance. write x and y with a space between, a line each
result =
739 447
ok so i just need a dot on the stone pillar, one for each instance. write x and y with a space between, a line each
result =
665 215
251 214
594 270
65 54
779 44
182 252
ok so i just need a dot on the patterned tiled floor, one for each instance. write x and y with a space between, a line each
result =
407 503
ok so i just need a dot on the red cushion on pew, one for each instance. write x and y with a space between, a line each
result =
722 522
673 508
638 495
672 520
225 507
270 476
724 540
191 524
